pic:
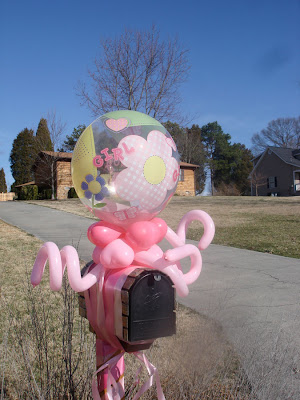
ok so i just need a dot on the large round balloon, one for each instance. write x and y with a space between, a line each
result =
125 167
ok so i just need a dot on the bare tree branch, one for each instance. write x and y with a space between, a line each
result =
56 128
136 71
49 159
281 132
257 179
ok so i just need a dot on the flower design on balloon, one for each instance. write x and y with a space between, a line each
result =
94 187
151 170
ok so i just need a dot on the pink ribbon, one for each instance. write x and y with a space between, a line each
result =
115 391
153 375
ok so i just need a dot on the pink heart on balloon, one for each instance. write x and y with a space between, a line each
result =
116 125
171 143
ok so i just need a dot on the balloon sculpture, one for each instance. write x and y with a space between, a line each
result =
125 169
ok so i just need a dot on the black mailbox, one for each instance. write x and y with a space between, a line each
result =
147 309
148 306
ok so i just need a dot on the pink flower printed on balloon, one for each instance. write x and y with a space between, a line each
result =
151 170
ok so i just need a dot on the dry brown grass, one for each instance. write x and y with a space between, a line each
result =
197 363
266 224
225 210
38 329
231 211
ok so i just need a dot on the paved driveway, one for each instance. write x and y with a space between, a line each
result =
254 296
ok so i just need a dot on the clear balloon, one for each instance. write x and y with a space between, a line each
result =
125 167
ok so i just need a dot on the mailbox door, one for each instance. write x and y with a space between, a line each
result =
151 307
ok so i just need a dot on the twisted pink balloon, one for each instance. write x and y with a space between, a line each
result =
169 262
119 250
58 260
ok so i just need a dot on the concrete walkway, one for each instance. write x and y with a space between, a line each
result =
254 296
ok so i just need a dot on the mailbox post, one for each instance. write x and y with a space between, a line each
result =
144 310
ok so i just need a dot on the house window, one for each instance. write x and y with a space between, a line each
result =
272 182
181 175
297 181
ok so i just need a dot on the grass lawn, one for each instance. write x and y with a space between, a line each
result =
266 224
34 327
47 352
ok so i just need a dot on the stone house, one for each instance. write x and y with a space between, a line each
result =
52 169
7 196
58 165
276 172
187 180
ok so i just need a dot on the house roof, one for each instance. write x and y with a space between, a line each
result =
58 154
187 165
26 184
285 154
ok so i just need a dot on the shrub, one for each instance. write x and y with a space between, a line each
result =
50 351
29 192
44 194
229 189
72 194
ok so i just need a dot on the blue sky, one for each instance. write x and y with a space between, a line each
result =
244 55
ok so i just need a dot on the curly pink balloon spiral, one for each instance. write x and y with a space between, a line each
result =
118 254
194 215
58 261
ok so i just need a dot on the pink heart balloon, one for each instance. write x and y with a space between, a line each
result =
116 125
101 234
145 234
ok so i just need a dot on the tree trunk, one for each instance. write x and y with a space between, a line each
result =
211 182
52 181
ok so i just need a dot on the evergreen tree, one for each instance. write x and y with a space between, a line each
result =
56 130
228 163
216 144
42 137
70 142
22 157
3 186
190 148
241 167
